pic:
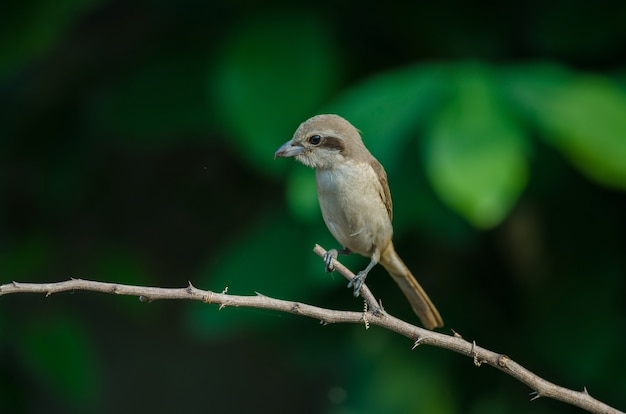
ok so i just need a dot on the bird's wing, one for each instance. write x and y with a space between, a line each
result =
385 194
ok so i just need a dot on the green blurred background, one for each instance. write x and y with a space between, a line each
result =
137 142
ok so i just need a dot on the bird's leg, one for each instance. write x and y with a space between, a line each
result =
358 280
332 255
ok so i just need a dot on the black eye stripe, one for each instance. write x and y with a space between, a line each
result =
328 142
333 143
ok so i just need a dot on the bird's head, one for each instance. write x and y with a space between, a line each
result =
322 142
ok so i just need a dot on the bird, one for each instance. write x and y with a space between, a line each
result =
355 201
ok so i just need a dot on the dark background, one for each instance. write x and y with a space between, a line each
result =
136 147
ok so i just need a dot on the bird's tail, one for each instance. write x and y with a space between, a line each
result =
417 297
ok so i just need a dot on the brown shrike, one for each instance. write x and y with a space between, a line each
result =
356 203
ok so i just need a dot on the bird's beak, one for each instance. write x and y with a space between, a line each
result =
288 149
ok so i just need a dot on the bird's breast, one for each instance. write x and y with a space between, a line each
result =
352 207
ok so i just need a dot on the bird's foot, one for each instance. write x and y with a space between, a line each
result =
357 282
331 255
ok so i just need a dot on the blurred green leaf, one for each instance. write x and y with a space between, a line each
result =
387 108
57 349
272 74
475 154
390 382
273 258
302 194
418 209
582 115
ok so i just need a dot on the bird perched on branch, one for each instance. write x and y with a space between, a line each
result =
355 201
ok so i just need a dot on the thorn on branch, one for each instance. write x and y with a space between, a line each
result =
456 334
417 343
222 306
534 395
144 299
585 391
225 291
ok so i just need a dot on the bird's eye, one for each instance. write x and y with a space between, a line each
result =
315 139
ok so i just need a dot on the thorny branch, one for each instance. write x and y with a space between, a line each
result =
373 314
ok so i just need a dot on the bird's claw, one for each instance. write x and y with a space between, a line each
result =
329 256
357 282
